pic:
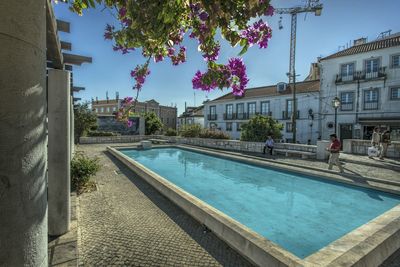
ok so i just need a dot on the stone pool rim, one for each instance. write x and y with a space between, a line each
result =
369 244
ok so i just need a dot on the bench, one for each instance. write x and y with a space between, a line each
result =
158 141
287 152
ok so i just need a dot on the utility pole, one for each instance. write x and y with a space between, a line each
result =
312 6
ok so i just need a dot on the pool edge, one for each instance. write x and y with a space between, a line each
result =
377 239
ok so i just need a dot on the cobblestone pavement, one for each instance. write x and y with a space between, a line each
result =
127 223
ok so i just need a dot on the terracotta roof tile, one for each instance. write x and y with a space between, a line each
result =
371 46
301 87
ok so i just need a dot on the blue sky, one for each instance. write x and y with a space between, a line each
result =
341 22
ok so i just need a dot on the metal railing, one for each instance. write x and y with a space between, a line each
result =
346 106
371 105
229 116
288 115
362 75
212 117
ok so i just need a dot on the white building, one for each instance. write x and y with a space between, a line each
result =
228 112
192 115
366 78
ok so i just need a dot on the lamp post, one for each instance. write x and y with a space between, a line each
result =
336 104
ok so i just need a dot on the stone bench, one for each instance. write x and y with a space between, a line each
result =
158 141
287 152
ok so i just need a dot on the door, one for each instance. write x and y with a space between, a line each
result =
345 132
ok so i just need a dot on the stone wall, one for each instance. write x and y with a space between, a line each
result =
360 147
110 124
233 145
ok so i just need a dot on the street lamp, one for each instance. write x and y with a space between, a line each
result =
336 104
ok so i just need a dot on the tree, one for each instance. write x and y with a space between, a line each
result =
259 128
158 28
152 123
84 120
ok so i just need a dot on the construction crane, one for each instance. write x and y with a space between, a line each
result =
312 6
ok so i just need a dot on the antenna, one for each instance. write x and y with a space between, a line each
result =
384 34
117 95
107 96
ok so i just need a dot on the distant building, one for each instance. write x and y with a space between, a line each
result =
229 112
192 115
167 115
366 79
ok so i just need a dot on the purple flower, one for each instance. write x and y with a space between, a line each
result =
270 11
108 34
122 12
212 55
203 16
129 123
158 58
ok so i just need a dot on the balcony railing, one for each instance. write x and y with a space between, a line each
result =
212 117
241 116
269 113
373 105
346 106
288 115
229 116
362 75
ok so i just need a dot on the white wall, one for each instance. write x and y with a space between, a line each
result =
329 89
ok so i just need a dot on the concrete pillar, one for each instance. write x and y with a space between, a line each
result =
347 148
59 154
23 139
142 129
322 154
72 125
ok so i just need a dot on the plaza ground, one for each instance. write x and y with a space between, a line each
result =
128 223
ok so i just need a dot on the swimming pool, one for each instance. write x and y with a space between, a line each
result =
301 214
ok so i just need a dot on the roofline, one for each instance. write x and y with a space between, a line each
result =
368 43
261 87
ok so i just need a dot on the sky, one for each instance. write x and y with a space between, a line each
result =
341 22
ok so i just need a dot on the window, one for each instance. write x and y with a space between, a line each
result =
102 109
371 68
229 111
265 108
240 110
229 126
238 126
213 113
251 108
97 110
114 109
395 61
395 93
347 70
289 127
289 106
371 97
108 109
346 99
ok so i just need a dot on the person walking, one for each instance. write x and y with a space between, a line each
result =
375 141
334 149
384 143
269 144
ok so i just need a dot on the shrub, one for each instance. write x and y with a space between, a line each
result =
152 123
213 134
192 130
99 133
82 168
84 120
259 128
171 132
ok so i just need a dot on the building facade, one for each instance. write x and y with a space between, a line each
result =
227 113
366 80
167 114
192 115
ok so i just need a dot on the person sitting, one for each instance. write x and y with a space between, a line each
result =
269 144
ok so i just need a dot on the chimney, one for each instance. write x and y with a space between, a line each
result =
360 41
314 72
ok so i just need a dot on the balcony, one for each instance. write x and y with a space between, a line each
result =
241 116
212 117
288 115
370 105
229 116
362 76
346 106
269 114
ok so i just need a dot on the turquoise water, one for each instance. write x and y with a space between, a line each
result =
300 213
